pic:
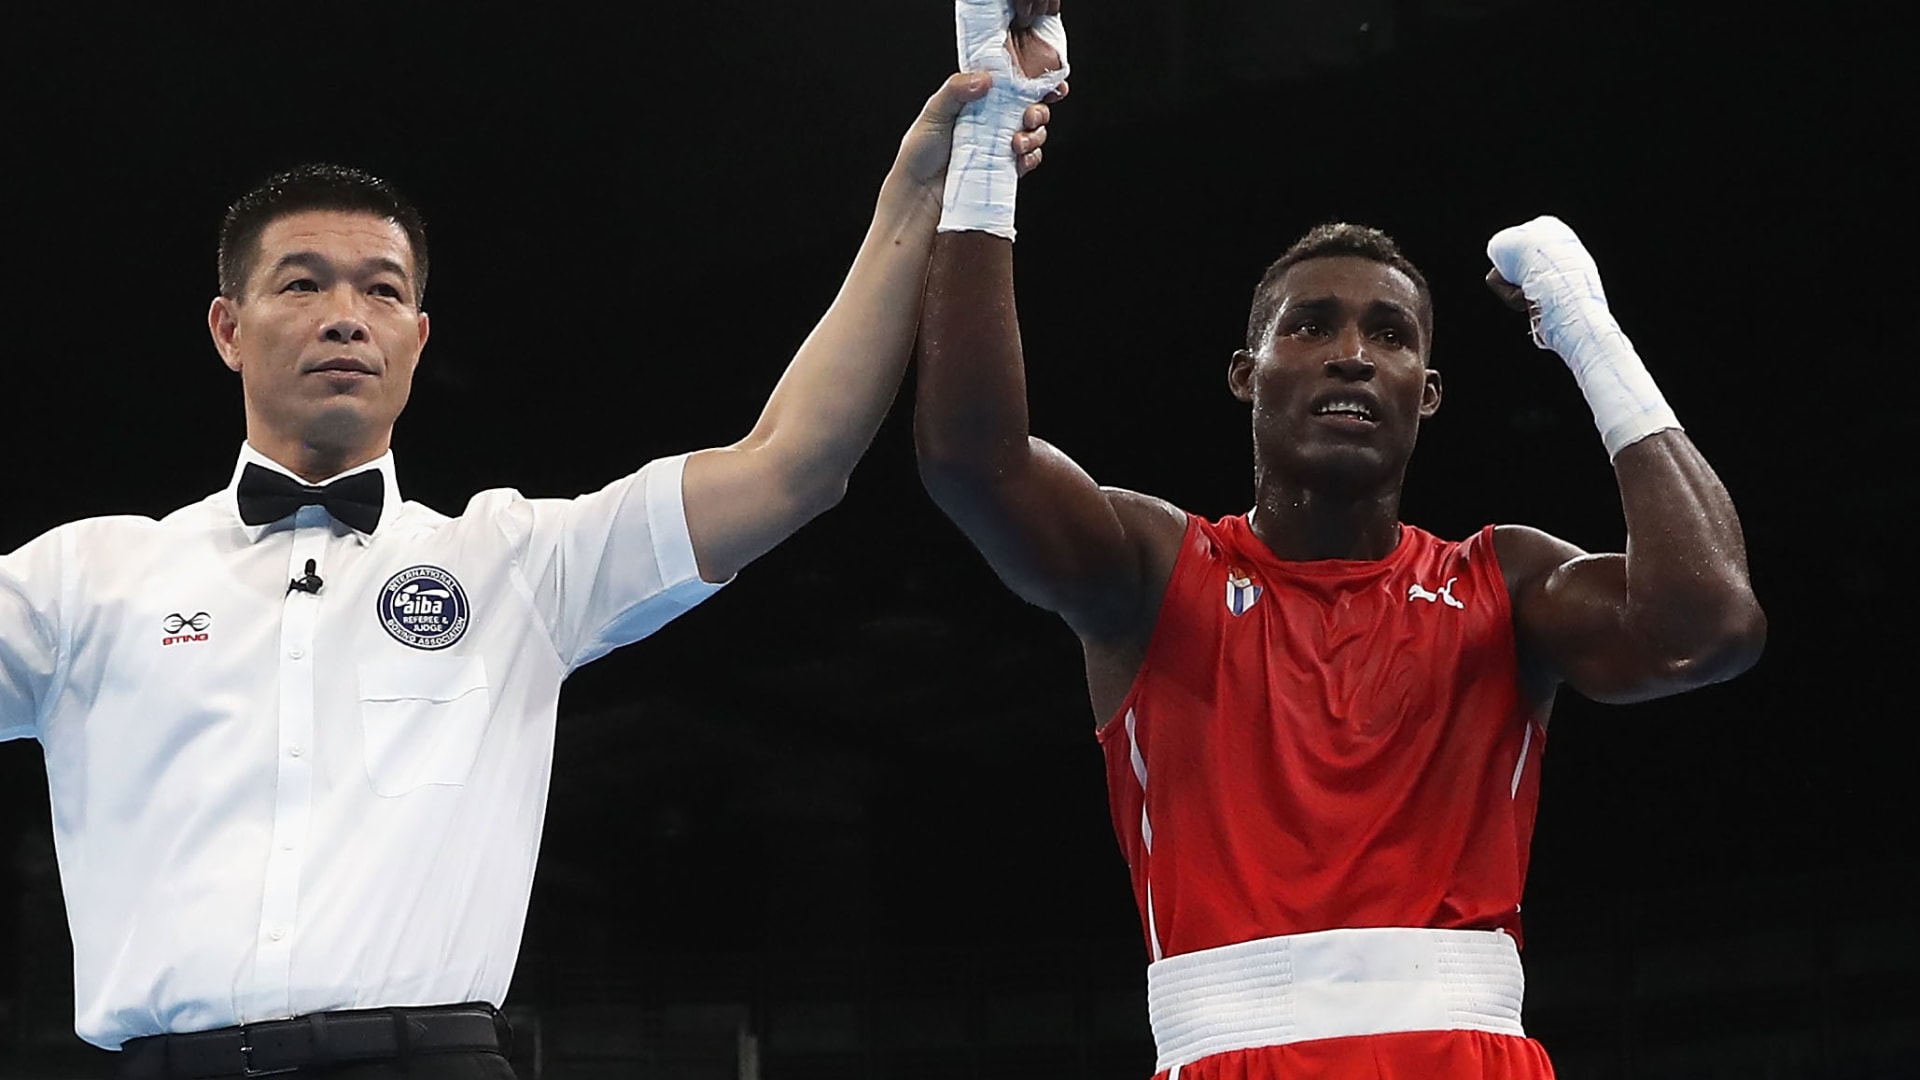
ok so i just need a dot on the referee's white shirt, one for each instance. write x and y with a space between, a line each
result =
270 802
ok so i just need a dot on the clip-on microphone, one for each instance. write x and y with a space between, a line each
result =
308 583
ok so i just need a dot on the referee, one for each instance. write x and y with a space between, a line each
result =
299 734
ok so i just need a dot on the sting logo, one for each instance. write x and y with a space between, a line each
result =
185 628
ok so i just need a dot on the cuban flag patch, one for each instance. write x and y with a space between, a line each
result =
1242 593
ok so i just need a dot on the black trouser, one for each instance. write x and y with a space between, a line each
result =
418 1067
455 1042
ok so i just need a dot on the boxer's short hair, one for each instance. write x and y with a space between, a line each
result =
313 187
1324 241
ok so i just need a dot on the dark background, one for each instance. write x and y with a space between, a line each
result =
847 818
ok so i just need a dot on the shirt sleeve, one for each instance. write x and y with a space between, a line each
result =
608 568
29 645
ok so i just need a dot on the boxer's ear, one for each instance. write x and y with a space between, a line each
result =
1240 375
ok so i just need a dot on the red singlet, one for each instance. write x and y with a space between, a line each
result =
1312 745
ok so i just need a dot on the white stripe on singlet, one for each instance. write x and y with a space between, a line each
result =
1513 790
1146 828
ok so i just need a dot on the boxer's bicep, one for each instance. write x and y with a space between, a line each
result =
1058 539
1570 620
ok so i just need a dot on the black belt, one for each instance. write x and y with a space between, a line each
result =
330 1038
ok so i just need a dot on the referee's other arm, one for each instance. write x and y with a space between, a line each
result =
26 650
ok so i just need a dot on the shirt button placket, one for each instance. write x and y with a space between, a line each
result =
293 789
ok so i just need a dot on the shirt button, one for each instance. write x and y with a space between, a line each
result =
294 751
276 934
296 653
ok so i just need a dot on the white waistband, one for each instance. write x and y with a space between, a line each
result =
1330 984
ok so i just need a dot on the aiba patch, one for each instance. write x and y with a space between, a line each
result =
423 606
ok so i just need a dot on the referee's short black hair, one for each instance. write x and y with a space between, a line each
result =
313 187
1323 241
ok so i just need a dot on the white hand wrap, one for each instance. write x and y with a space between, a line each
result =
983 173
1557 275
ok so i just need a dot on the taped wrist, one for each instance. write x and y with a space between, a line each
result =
983 173
1560 279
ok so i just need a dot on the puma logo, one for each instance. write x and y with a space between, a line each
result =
1445 595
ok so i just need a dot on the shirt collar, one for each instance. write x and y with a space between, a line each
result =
389 502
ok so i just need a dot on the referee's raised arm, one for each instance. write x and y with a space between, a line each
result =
745 498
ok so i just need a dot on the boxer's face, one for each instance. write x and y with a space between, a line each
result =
327 333
1341 384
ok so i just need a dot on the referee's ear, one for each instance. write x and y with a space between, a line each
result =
225 328
421 324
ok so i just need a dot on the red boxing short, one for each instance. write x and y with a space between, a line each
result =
1400 1055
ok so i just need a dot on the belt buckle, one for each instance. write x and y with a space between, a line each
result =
246 1062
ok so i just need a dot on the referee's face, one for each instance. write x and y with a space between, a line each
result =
326 336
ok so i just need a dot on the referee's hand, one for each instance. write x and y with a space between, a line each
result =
929 142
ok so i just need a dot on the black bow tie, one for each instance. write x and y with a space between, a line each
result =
266 496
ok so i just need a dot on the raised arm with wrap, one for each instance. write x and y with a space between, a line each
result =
1099 557
1676 611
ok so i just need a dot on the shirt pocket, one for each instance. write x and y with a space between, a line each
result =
422 719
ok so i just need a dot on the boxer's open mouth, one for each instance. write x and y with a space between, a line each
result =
1348 407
